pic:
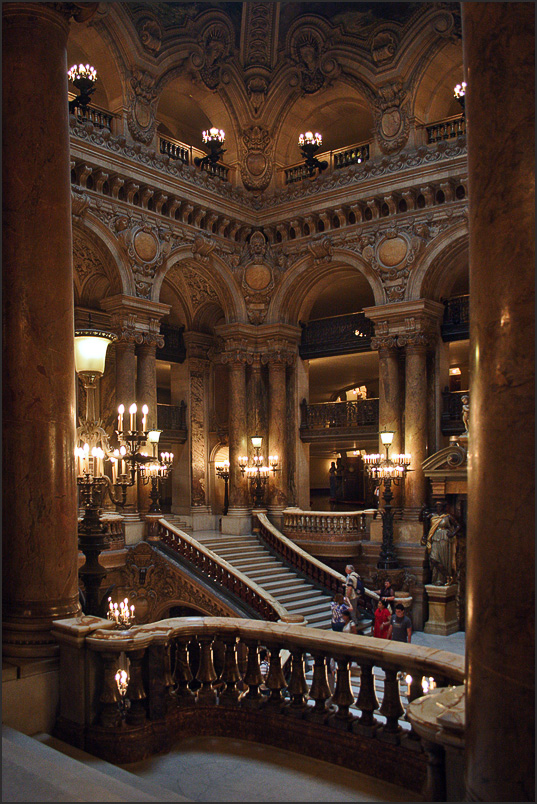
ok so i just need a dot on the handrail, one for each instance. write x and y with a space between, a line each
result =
160 700
222 572
303 561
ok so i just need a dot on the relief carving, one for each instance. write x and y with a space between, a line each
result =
150 34
142 97
383 47
200 290
256 166
321 250
146 246
392 123
391 254
315 66
214 49
255 268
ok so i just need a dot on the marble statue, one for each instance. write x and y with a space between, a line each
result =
441 543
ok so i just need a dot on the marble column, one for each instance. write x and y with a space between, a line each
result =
499 58
238 513
40 577
390 399
146 394
415 422
199 375
277 434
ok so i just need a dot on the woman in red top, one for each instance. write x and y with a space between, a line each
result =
382 620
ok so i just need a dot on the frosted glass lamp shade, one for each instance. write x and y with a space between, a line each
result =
386 437
90 351
256 441
153 436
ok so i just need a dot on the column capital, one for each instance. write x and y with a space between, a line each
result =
403 324
384 343
136 320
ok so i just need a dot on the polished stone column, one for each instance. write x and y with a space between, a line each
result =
238 489
277 432
390 399
415 423
146 394
39 557
499 57
199 370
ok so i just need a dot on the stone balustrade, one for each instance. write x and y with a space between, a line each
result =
219 571
202 676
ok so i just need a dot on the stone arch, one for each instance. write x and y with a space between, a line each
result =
433 97
217 283
308 277
99 268
440 265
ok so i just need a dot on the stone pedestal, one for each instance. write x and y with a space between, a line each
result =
443 618
237 523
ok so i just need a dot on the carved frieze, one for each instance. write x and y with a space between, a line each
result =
256 165
142 98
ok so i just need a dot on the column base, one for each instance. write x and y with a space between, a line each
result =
202 518
237 522
443 619
134 528
275 515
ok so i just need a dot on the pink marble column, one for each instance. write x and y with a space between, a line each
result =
415 423
146 394
199 372
39 557
238 445
499 57
390 399
277 431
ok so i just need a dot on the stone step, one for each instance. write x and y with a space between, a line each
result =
35 771
304 593
253 563
249 550
270 574
275 585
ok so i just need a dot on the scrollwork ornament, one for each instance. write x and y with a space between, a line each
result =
256 166
142 100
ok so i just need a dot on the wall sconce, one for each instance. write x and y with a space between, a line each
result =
84 78
214 138
309 144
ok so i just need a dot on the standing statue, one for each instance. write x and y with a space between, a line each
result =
441 543
465 401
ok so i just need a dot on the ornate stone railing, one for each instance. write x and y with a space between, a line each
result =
223 574
343 526
99 117
447 129
343 415
341 334
175 150
201 676
343 157
172 417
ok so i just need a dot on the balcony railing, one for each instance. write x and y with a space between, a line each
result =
448 129
99 117
363 413
172 418
185 154
451 418
456 322
201 676
341 158
339 335
174 349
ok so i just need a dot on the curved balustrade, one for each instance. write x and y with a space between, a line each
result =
217 569
201 676
321 415
320 573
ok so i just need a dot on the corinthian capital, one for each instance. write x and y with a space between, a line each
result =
384 342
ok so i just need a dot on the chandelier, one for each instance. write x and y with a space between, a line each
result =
84 78
214 138
309 143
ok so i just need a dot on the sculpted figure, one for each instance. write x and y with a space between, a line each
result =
440 543
465 400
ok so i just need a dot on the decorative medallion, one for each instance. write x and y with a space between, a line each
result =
256 166
142 101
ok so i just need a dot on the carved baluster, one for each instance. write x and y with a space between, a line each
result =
135 691
206 674
183 673
342 697
367 701
319 690
275 679
252 678
158 680
109 716
168 677
297 687
230 674
391 708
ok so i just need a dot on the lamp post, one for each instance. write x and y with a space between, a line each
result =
84 78
385 471
309 143
258 473
222 470
215 139
155 471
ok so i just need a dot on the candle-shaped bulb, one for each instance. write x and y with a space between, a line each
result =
133 410
145 411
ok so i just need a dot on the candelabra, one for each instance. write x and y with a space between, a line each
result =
222 470
122 681
155 471
309 144
460 93
121 614
84 78
385 471
258 473
215 139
